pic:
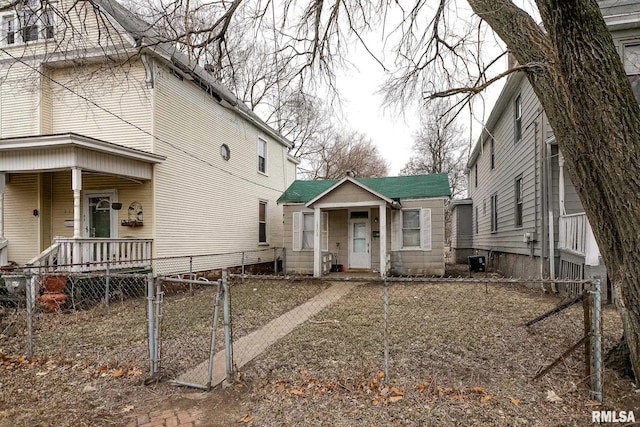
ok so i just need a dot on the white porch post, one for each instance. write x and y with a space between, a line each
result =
3 247
382 217
76 186
317 247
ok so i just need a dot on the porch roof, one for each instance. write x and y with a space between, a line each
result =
391 187
65 151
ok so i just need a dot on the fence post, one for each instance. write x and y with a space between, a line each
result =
191 275
106 287
30 284
156 326
243 266
386 337
228 350
596 341
586 307
151 324
214 331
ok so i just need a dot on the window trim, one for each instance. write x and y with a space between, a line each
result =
517 119
403 228
262 149
518 202
264 203
475 168
494 213
44 24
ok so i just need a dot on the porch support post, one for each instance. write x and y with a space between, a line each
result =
382 217
76 186
317 248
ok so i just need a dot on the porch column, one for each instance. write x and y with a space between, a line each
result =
317 248
76 186
382 217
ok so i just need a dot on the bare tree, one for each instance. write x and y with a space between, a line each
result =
439 147
341 153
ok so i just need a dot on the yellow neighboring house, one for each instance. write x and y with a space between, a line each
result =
113 146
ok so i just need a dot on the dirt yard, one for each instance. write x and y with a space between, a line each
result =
458 355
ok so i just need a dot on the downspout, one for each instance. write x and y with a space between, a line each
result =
552 254
561 184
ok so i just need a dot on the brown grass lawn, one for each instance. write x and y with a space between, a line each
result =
458 355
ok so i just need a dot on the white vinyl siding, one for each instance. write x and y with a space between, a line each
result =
205 204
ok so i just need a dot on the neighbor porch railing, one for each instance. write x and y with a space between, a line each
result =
95 254
573 234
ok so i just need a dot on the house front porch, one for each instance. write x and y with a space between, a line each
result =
75 203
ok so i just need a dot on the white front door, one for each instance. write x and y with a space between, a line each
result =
99 219
359 239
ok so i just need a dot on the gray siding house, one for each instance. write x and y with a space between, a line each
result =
525 215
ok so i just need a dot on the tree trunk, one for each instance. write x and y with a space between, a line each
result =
579 79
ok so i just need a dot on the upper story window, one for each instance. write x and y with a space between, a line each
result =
262 155
494 213
631 61
31 21
475 172
518 198
517 131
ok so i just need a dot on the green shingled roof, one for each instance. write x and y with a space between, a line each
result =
392 187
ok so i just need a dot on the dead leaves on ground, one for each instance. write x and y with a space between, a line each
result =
45 365
105 371
381 394
15 361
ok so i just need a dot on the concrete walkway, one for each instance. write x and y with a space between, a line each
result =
250 346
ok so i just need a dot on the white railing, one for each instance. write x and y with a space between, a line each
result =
572 233
576 236
95 254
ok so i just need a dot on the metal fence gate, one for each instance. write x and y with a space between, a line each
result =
188 343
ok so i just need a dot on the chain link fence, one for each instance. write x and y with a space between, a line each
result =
186 321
